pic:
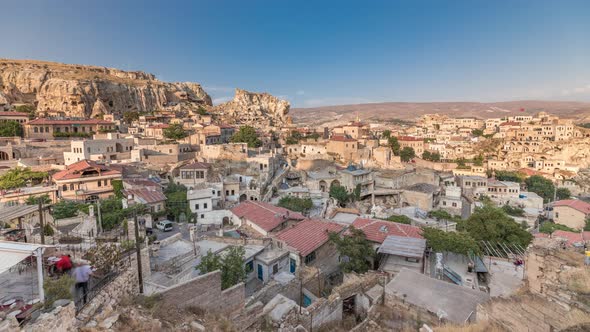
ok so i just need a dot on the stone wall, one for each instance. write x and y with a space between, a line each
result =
60 319
205 292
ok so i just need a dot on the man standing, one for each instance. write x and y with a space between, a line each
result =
82 274
64 264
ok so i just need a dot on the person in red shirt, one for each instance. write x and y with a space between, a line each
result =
64 264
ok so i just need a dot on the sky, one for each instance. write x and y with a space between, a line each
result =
318 53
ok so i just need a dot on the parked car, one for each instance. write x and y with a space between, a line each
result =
164 225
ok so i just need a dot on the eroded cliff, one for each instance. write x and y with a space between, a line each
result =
260 110
86 91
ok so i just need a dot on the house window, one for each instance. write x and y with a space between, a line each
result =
275 269
310 258
196 206
64 187
227 193
218 193
105 182
556 214
202 216
249 266
72 186
204 205
454 204
232 192
412 259
444 203
99 183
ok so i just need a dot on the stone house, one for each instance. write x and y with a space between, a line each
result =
571 213
309 245
156 131
415 143
345 147
264 218
473 185
112 147
268 263
351 177
503 190
151 196
86 180
192 174
20 117
46 128
422 195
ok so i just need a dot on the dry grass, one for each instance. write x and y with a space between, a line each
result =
579 281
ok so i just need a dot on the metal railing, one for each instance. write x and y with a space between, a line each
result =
93 290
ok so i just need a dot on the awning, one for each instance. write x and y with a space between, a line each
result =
11 253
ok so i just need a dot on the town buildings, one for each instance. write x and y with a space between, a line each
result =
85 180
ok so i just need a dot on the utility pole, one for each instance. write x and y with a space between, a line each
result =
138 251
99 229
41 221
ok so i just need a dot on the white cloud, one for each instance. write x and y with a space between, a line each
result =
300 93
576 91
223 99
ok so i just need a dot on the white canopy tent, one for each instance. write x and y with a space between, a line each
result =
11 253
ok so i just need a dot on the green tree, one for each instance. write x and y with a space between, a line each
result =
478 160
394 145
65 209
401 219
10 129
176 200
295 203
490 223
435 156
549 227
407 154
130 116
355 249
231 266
233 270
457 242
513 211
426 155
202 111
339 193
209 263
541 186
34 200
461 162
510 176
18 177
386 134
587 225
117 188
563 193
247 134
175 131
477 132
313 136
30 109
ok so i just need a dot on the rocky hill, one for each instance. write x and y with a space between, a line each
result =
393 111
260 110
86 91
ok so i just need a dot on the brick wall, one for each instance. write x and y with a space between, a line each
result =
205 292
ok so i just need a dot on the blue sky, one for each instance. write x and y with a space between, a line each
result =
318 53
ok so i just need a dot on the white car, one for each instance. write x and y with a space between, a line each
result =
164 225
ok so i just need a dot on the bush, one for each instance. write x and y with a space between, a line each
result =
513 211
58 289
296 204
399 219
457 242
549 227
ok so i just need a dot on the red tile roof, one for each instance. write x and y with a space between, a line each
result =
265 215
147 195
510 123
76 170
378 230
308 235
196 165
69 121
574 204
14 114
571 237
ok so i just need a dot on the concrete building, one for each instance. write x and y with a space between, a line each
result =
398 252
415 143
48 128
86 180
151 196
342 146
503 190
351 177
113 147
571 213
264 218
192 174
19 117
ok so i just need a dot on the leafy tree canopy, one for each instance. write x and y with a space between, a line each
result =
491 223
407 153
477 132
386 134
549 227
27 109
339 193
355 250
18 177
394 145
563 193
457 242
175 131
399 219
34 200
510 176
513 211
130 116
541 186
247 134
231 266
296 204
10 129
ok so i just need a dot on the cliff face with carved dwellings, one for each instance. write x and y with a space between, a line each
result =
260 110
86 91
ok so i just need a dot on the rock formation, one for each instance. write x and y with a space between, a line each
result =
260 110
84 91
